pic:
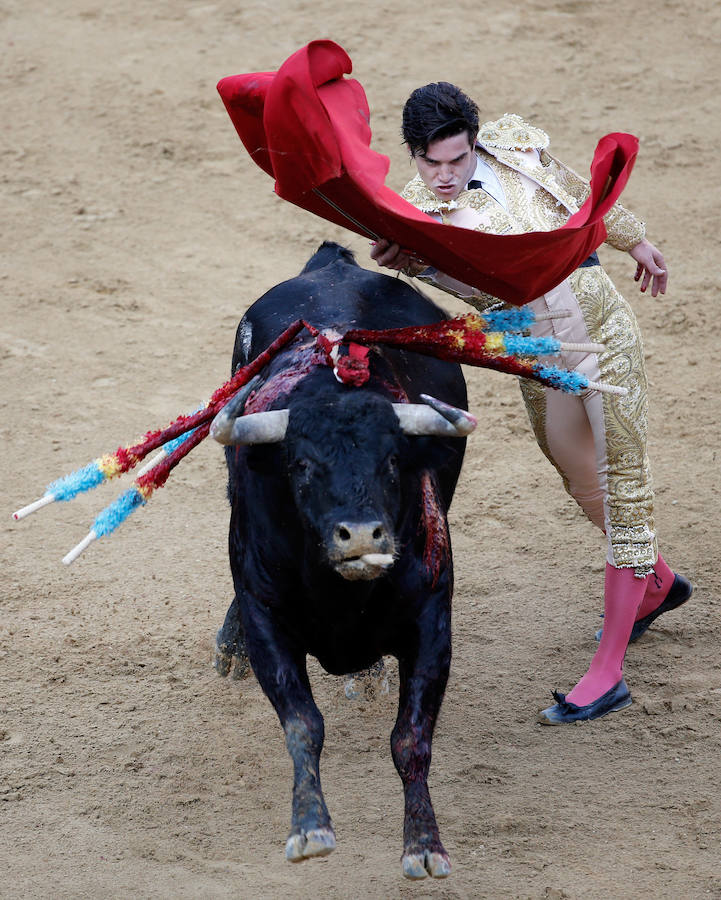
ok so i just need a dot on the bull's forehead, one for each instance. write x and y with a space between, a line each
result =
355 416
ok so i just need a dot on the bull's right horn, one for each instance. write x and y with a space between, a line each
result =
460 419
255 428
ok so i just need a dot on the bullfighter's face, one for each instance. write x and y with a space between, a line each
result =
447 165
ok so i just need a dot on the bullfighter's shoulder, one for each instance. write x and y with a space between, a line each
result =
511 132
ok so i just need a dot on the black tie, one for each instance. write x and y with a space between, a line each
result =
472 185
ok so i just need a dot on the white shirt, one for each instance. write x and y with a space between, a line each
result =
488 178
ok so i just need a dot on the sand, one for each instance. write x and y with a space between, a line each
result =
135 232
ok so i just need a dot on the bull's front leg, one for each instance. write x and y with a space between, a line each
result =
282 674
311 832
423 676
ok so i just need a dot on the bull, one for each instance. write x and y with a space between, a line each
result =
339 543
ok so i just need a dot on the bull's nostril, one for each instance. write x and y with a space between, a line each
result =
377 534
344 534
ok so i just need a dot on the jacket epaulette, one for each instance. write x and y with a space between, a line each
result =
511 132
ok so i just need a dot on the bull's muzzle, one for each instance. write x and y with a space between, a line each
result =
360 550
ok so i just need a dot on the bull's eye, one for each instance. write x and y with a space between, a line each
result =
302 467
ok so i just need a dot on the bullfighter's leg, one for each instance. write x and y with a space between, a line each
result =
570 444
576 438
230 645
598 444
423 675
281 671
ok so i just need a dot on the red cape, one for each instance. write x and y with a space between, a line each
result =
308 127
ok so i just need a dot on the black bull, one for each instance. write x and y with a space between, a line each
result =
338 535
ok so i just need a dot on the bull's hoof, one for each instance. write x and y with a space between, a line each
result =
419 865
241 669
319 842
223 659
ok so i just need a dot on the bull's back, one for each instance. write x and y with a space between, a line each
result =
333 291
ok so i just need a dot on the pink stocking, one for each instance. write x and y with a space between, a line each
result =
623 595
657 588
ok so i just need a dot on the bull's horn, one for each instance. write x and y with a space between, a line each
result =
461 419
235 406
255 428
433 417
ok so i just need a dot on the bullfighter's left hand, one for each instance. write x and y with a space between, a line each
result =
651 265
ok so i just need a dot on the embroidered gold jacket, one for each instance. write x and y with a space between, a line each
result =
541 193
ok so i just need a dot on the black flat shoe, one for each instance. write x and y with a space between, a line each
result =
563 712
681 590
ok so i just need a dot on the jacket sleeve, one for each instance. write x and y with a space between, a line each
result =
624 229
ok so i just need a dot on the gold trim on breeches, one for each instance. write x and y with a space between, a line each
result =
619 424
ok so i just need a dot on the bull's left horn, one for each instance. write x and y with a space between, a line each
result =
433 417
255 428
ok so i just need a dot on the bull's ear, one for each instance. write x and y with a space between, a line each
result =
261 459
266 459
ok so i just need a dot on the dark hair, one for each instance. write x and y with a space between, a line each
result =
436 111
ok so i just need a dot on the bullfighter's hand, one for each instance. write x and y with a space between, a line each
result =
390 255
651 265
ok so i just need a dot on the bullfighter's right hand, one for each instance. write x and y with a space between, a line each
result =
388 254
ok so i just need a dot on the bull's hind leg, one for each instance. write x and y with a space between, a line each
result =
230 645
423 680
283 676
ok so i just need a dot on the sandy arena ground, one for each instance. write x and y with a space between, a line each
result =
135 232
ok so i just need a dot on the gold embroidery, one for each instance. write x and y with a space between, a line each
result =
611 321
422 197
497 220
624 229
510 132
537 174
548 211
569 181
516 200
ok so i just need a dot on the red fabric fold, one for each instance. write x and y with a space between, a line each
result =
308 126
